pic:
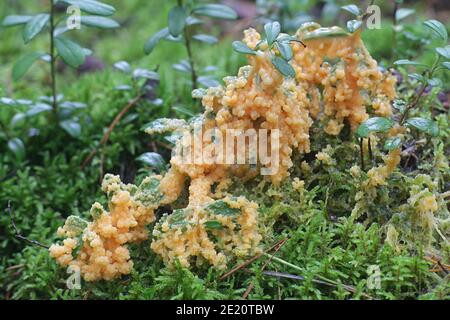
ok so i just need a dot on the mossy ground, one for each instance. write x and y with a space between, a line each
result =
48 185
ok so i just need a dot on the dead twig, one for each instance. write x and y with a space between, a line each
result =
250 287
18 235
251 260
111 127
18 266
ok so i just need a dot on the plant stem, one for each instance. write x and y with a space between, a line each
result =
421 92
361 150
52 61
191 59
19 235
111 127
329 281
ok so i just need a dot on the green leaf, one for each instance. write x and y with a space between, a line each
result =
148 192
177 20
392 143
76 224
154 40
182 66
17 147
184 110
438 28
272 30
70 52
446 65
406 62
190 21
403 13
15 20
219 11
352 8
145 74
92 7
241 47
445 52
78 247
332 32
424 125
205 38
213 224
38 108
72 105
164 125
354 25
153 159
435 82
283 67
208 81
376 124
222 208
285 50
400 105
23 64
73 128
34 26
99 22
123 66
417 76
14 103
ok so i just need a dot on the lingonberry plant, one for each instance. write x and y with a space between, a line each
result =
274 40
62 17
425 77
182 20
141 85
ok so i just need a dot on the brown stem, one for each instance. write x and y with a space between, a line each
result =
361 150
251 260
19 235
111 127
191 59
369 145
250 287
413 105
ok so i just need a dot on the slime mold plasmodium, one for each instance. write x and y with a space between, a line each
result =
336 80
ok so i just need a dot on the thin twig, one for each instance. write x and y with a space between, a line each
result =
420 94
111 127
329 281
191 59
369 146
361 150
249 261
442 267
19 235
18 266
250 287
